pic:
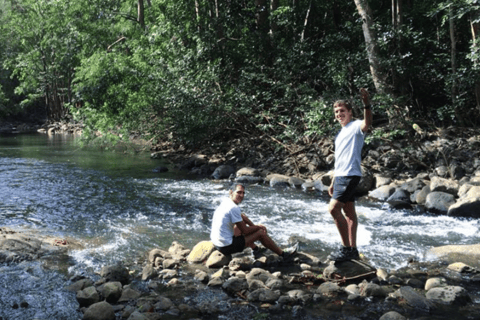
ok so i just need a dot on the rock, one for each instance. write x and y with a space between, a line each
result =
413 298
366 182
149 272
399 195
449 295
299 295
368 289
352 289
460 267
99 311
278 180
201 276
223 172
256 284
259 274
421 197
382 193
438 184
382 274
80 285
264 295
157 253
217 260
170 264
468 254
87 296
250 180
439 201
168 273
413 185
234 285
129 294
176 249
435 282
247 171
136 315
115 273
349 269
466 207
111 291
392 315
160 169
330 289
295 182
381 181
163 303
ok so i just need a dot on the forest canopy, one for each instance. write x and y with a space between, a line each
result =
198 70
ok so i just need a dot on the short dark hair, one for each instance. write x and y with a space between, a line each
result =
344 103
234 186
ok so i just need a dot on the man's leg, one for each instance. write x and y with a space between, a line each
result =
352 223
261 235
335 209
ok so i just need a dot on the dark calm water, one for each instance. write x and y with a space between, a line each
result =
115 205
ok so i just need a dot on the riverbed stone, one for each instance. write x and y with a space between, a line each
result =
330 289
200 252
87 296
421 197
435 282
129 294
392 315
163 303
466 207
223 172
149 272
382 193
80 285
248 171
137 315
369 289
438 184
413 298
201 276
278 180
99 311
111 291
217 260
439 201
264 295
157 253
116 272
449 295
460 267
468 254
235 284
177 249
246 180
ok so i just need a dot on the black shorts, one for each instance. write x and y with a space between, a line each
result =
344 188
238 244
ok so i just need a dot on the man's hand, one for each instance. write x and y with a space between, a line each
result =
365 96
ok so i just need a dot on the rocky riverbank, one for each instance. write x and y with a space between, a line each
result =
201 283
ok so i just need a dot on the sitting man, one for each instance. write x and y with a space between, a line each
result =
232 231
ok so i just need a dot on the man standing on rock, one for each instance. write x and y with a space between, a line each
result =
232 231
348 150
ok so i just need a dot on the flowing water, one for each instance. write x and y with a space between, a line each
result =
119 209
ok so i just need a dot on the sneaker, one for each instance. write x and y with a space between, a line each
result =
344 254
290 252
259 252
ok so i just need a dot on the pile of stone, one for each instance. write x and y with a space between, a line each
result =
202 284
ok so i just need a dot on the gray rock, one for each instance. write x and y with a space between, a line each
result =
129 294
413 185
421 197
235 284
87 296
99 311
382 193
201 276
438 184
163 303
80 285
115 273
392 315
264 295
413 298
250 180
111 291
368 289
449 295
223 172
399 195
330 289
435 282
149 272
439 201
217 260
136 315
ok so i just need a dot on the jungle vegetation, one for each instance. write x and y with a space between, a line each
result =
198 71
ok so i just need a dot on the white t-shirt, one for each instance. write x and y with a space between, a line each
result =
348 150
223 221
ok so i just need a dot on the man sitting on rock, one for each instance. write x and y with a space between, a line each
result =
232 231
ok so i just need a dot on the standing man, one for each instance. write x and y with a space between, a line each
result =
232 231
348 150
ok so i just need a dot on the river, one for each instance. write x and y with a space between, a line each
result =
115 205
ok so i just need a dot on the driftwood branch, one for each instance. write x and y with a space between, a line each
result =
116 42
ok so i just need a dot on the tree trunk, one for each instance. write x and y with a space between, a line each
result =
274 6
453 58
475 27
141 13
305 23
378 75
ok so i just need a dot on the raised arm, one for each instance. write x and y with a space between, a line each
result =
367 111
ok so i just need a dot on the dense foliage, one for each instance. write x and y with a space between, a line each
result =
198 70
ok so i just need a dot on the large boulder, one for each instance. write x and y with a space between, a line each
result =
382 193
469 254
438 184
87 297
111 291
116 273
439 201
449 295
466 207
201 252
